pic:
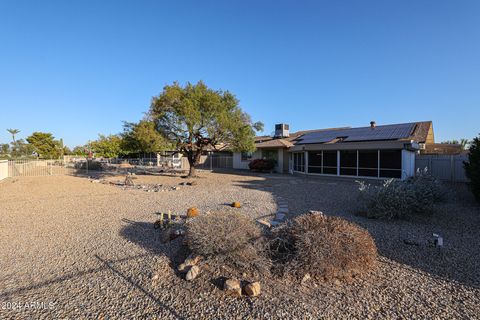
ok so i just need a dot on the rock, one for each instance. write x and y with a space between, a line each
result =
264 222
306 278
411 242
252 289
337 282
192 183
189 262
193 260
192 273
232 287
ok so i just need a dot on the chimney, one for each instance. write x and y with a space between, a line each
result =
373 124
282 130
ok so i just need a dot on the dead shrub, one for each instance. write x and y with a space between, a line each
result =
229 239
324 247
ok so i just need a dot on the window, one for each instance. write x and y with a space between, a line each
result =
330 162
368 163
299 162
348 162
270 155
390 163
315 162
247 156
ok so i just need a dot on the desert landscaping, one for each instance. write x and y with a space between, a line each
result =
87 247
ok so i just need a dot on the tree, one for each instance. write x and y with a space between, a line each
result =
79 151
45 145
107 146
4 150
195 118
21 149
463 142
13 132
472 167
142 137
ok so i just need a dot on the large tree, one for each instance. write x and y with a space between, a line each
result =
142 137
107 146
195 118
45 145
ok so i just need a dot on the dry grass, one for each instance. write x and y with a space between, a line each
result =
227 238
324 247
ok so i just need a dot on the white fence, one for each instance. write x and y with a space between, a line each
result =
443 167
34 167
3 169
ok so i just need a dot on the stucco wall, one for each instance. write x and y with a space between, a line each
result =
239 164
3 169
408 163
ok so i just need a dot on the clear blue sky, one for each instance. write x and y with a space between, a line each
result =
78 68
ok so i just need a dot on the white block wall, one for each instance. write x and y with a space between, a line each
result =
3 169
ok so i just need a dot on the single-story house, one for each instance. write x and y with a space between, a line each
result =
375 151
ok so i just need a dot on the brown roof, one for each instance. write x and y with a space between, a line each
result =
287 142
422 133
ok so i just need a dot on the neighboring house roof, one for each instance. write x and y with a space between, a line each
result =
420 132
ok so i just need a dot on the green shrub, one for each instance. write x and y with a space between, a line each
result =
472 167
323 247
399 198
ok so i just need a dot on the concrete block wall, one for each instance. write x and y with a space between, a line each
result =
3 169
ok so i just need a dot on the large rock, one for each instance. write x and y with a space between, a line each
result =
190 261
252 289
232 287
192 273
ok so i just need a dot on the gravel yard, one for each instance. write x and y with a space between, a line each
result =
71 248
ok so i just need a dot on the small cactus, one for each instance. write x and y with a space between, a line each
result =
236 205
192 212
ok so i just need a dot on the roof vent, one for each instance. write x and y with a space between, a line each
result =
282 130
373 124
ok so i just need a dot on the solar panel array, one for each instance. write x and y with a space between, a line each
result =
387 132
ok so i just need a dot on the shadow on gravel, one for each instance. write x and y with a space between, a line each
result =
137 286
155 241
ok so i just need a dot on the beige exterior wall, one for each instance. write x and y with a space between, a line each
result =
239 164
3 169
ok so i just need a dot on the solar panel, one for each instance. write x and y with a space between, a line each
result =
387 132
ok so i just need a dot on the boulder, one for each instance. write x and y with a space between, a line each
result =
252 289
232 287
189 262
192 273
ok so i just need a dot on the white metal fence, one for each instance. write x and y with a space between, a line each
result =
444 167
211 162
34 167
79 165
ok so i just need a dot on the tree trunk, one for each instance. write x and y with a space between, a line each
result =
193 160
192 172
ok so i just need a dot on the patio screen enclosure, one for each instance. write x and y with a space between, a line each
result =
358 163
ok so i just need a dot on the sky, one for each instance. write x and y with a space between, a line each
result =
80 68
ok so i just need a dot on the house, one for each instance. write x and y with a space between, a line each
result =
375 151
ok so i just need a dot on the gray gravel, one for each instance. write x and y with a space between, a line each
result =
91 251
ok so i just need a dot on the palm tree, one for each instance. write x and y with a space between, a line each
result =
13 132
465 143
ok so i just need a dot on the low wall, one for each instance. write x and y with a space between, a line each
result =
3 169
